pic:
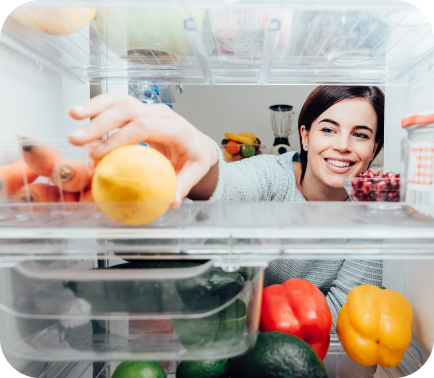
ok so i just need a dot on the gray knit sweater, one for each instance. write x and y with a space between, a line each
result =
272 178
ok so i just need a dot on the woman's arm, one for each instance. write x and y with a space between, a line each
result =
191 153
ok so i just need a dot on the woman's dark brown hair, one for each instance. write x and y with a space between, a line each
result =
325 96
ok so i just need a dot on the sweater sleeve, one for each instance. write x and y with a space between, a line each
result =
259 178
352 274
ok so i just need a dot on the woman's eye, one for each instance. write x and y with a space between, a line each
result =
361 135
327 130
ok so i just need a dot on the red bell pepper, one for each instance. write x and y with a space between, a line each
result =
299 308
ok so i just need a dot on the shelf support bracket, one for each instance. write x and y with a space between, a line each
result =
196 42
270 43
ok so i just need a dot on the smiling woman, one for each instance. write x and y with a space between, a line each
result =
341 131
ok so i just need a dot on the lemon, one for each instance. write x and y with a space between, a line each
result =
134 185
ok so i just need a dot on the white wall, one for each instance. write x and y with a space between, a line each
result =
218 109
31 101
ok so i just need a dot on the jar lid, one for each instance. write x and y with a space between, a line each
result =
418 119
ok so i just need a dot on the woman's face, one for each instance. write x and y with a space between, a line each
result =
341 141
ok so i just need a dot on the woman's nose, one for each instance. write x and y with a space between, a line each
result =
342 144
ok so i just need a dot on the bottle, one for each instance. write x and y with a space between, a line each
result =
417 157
149 94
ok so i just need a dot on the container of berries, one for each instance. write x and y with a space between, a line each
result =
374 185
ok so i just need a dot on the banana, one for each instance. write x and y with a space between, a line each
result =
240 138
249 135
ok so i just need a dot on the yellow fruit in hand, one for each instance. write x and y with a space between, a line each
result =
134 185
56 21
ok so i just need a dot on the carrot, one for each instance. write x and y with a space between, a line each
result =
86 196
71 175
70 197
40 158
38 193
14 176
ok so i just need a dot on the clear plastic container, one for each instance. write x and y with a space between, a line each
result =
373 189
156 310
418 159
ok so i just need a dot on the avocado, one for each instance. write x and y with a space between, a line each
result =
203 369
278 355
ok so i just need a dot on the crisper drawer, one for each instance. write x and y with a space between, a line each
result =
140 310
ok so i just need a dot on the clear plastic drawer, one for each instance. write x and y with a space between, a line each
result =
140 310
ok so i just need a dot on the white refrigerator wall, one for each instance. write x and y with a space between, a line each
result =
414 279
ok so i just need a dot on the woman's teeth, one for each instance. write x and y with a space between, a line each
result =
337 163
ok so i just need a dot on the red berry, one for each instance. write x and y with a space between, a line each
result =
394 183
392 196
380 185
356 184
367 187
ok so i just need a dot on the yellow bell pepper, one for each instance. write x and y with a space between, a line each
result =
374 326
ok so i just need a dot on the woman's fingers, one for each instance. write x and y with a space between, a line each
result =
112 118
138 130
187 178
96 105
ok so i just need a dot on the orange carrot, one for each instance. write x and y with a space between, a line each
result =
86 196
69 197
40 158
14 176
38 193
71 175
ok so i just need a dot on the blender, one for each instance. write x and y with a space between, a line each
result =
281 119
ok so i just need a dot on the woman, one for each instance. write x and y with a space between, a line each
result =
341 131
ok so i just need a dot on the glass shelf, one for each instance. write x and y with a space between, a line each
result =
337 363
254 232
212 42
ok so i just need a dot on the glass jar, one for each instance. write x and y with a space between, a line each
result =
418 159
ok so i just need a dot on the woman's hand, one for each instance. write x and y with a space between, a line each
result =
191 153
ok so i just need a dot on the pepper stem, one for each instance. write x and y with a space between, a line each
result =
382 288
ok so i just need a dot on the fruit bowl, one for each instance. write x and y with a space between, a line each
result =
362 189
241 151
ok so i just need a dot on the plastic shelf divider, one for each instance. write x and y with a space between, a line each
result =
270 43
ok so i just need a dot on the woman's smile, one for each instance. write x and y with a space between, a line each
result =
339 165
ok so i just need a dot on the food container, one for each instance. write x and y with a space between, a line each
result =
145 310
245 151
418 159
373 189
241 32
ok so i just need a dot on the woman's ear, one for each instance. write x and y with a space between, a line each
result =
375 150
304 138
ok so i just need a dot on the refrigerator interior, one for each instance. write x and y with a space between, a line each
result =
233 61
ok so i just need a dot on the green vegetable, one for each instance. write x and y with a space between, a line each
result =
278 355
203 369
139 369
217 332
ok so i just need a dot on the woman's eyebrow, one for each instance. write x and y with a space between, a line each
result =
364 128
355 127
329 121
